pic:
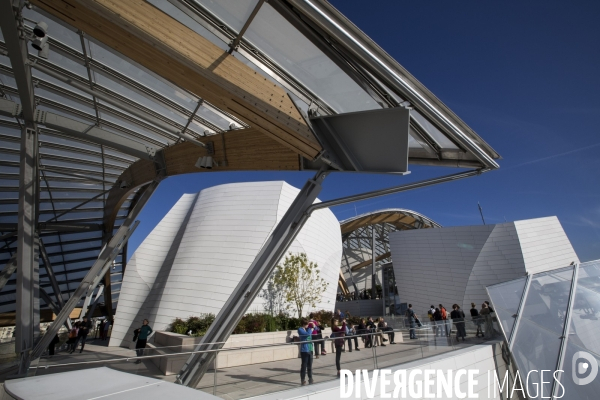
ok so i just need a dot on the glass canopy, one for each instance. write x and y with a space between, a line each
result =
320 75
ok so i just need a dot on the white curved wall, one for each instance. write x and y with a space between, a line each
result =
191 262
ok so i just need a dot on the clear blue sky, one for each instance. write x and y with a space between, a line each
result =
525 75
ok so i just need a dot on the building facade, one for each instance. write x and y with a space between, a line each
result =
455 264
194 258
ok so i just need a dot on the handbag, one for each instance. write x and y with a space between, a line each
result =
136 333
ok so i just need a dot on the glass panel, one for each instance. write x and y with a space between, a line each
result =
68 64
412 142
143 100
8 80
49 138
63 100
180 16
538 337
506 298
5 61
57 82
438 136
117 63
234 13
283 43
583 337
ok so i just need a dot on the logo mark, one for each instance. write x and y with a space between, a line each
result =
581 368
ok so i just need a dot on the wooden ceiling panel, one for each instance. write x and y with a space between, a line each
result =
168 48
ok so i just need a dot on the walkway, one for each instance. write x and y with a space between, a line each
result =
252 380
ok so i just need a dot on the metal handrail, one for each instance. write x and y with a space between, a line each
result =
372 333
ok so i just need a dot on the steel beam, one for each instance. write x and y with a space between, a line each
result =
349 270
8 270
27 301
90 314
57 227
107 255
26 245
51 277
252 281
88 301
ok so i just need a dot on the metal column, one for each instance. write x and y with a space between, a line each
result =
12 29
373 282
26 249
107 255
252 281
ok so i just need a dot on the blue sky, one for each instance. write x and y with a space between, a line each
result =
525 75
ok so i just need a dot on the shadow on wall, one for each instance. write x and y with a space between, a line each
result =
155 294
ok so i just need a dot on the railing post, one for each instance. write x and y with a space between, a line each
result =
215 374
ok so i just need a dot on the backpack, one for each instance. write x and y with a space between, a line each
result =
444 313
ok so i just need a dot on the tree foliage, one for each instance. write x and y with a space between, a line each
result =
300 282
274 298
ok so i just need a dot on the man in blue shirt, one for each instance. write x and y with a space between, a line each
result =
306 349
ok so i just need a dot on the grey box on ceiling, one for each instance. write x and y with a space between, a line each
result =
367 141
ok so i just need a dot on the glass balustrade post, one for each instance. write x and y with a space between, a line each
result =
215 375
374 353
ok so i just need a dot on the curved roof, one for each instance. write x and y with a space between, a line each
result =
399 217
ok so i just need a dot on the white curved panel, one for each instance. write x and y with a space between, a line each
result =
191 263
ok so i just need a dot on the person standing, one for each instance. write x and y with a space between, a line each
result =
458 317
410 314
437 317
489 306
430 313
72 340
444 313
338 332
476 319
142 338
305 333
487 320
84 330
100 329
53 343
317 337
105 329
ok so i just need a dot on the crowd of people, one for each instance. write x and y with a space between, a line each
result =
344 334
358 295
79 332
371 332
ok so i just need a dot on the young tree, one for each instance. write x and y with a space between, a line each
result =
300 282
274 298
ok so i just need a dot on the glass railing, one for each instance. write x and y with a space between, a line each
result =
253 370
